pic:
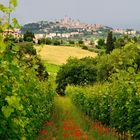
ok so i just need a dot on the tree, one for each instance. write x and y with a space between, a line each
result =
71 42
81 42
28 36
42 41
48 41
110 42
56 42
135 39
76 72
101 43
6 22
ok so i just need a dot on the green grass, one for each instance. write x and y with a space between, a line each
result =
52 68
66 113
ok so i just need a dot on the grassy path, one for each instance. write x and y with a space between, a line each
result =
68 123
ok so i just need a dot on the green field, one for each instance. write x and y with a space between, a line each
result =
52 68
59 54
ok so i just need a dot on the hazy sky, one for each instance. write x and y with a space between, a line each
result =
114 13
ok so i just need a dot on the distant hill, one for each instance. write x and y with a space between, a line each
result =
66 25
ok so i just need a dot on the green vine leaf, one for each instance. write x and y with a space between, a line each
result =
13 2
15 23
7 110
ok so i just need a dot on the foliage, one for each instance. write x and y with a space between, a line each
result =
116 101
42 41
114 104
46 41
10 38
42 74
71 42
121 42
80 42
80 72
76 72
56 42
26 48
117 60
84 47
25 101
101 43
52 68
6 19
110 42
28 36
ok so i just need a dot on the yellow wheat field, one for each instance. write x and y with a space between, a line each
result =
59 54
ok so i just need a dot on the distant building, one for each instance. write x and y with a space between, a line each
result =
39 36
76 24
119 31
126 32
130 32
16 33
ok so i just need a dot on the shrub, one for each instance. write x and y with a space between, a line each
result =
28 36
84 47
42 41
118 59
48 41
80 42
71 42
56 42
76 72
28 54
26 48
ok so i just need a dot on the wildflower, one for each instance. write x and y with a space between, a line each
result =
66 135
78 133
44 132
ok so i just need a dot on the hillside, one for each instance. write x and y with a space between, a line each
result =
59 54
65 26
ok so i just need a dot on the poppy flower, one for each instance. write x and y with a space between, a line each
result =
66 135
44 132
78 133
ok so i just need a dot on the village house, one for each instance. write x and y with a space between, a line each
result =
16 33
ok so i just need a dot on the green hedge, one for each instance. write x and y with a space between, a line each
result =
116 104
25 101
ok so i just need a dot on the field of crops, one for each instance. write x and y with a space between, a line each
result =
59 54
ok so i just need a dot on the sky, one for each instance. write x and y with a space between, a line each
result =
113 13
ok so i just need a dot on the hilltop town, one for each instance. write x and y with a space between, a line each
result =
67 27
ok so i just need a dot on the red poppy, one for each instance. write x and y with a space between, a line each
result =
78 133
66 128
44 132
50 123
66 135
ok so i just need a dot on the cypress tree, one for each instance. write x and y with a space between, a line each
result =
110 42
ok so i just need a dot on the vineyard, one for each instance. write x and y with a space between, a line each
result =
25 100
67 93
114 99
117 107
